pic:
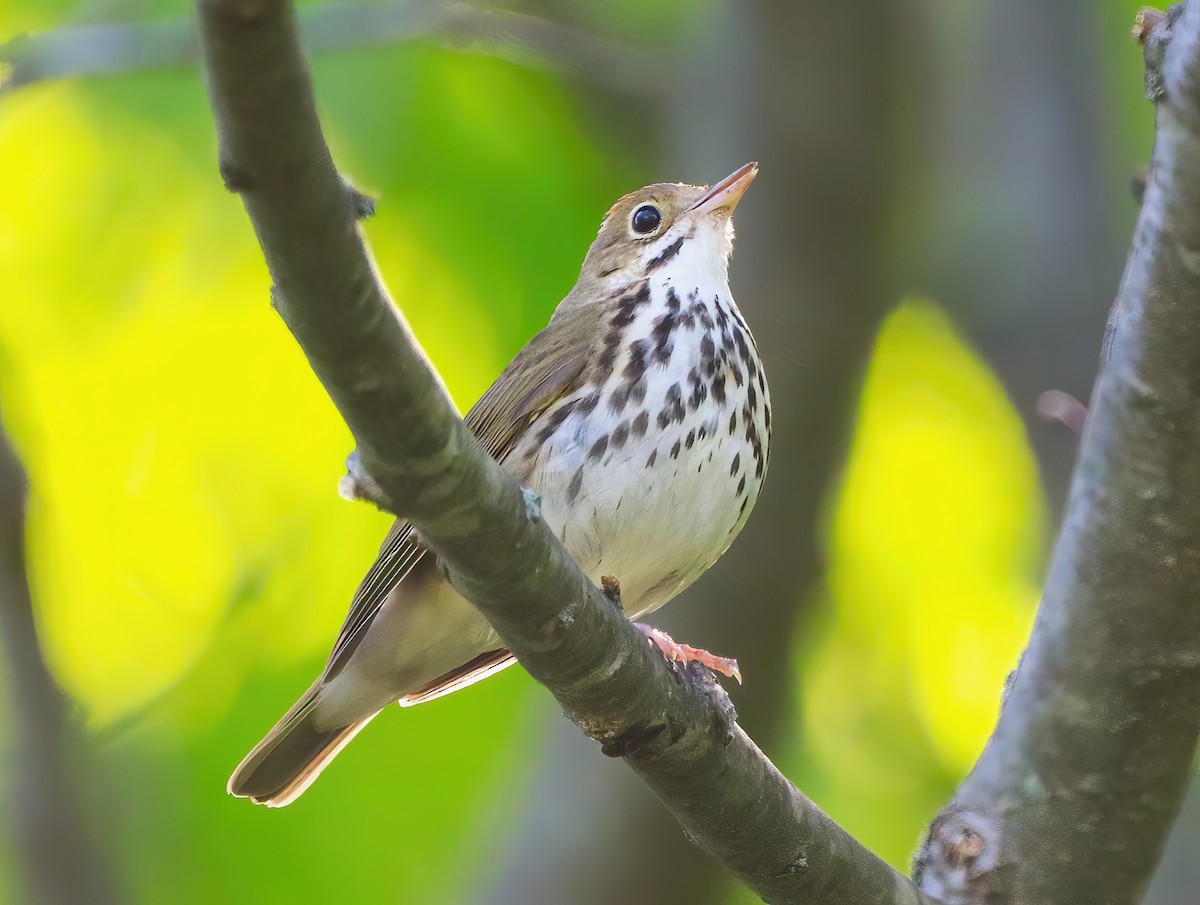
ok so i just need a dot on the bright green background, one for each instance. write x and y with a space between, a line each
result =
191 560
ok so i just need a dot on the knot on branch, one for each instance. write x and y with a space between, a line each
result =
237 179
1138 183
631 741
1153 30
362 205
961 847
611 587
533 503
357 484
716 717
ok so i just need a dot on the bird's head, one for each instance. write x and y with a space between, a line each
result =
663 227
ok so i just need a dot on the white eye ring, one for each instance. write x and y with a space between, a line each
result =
645 221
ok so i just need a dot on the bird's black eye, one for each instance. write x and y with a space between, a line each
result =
646 219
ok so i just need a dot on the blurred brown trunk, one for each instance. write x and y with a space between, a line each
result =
810 90
1019 227
53 839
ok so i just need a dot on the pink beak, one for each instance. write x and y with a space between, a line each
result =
726 194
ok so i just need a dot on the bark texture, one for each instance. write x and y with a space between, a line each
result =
1074 796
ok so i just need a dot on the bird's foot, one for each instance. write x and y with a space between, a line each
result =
611 587
685 653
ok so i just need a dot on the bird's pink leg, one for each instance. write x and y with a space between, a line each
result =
685 653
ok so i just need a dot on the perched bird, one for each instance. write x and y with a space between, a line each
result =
641 417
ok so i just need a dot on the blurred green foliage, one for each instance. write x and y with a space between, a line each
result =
191 560
934 544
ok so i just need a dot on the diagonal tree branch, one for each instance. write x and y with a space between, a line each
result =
415 457
1078 787
104 50
48 828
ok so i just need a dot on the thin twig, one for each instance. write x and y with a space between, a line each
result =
88 51
673 727
1060 406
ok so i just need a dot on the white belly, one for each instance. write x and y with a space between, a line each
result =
652 473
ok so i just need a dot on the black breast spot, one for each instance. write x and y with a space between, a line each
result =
718 391
588 403
664 256
640 424
576 484
620 435
673 407
708 355
555 419
598 448
664 329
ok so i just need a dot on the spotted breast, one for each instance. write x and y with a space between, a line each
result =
649 470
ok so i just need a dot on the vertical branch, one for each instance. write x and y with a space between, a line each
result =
47 825
1078 787
1020 231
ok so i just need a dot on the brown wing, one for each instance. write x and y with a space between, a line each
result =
545 370
469 673
401 550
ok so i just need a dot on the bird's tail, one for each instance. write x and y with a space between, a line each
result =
292 755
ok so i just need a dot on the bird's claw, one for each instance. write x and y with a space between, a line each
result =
685 653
